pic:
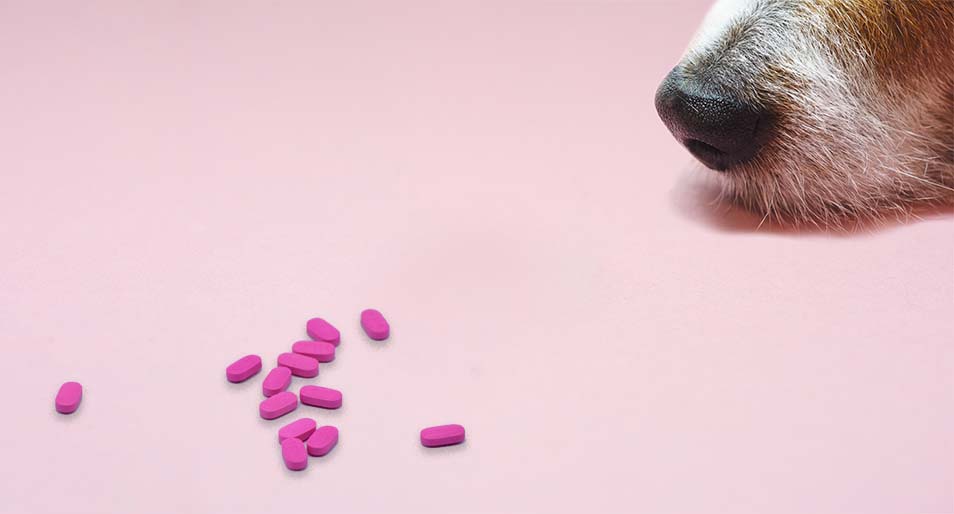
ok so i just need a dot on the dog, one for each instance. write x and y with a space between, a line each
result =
820 111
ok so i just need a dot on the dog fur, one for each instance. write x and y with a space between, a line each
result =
863 97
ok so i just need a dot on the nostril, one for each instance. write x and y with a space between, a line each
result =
702 146
718 129
712 156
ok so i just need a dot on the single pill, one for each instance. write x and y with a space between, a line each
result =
244 368
300 429
294 454
375 325
320 330
443 435
324 352
318 396
278 405
68 397
322 441
277 380
300 365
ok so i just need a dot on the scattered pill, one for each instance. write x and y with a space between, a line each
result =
320 330
294 454
277 380
68 397
443 435
321 350
318 396
375 325
278 405
300 429
244 368
322 441
300 365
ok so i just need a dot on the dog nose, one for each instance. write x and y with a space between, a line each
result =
718 129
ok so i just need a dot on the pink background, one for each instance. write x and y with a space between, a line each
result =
185 183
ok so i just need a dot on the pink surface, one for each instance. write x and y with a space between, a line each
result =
184 183
374 324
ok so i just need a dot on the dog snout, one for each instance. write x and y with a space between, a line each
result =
717 128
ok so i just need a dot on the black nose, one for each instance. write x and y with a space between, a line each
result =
721 131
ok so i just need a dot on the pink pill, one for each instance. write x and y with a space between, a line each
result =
324 352
375 325
300 365
322 441
294 454
277 380
300 429
443 435
318 396
68 397
244 368
320 330
279 405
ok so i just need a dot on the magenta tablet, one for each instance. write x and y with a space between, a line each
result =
68 397
244 368
318 396
279 405
300 365
277 380
324 352
320 330
294 454
375 325
442 435
300 429
322 441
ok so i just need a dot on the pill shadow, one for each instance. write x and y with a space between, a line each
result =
442 450
250 383
321 416
66 418
313 462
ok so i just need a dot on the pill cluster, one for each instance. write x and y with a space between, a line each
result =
303 437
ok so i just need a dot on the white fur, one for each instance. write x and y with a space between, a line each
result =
852 146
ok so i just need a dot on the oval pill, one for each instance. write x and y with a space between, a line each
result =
442 435
278 405
322 441
277 380
321 350
294 454
320 330
300 365
68 397
374 324
300 429
318 396
244 368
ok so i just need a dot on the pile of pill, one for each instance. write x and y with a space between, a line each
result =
303 437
